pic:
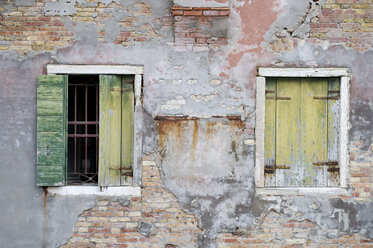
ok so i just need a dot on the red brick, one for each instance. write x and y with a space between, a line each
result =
193 13
98 230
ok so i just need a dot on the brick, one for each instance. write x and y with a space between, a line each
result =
193 13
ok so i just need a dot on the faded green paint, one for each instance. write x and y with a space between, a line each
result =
127 131
306 131
116 130
51 130
288 132
110 130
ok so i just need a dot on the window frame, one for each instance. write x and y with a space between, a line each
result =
138 71
344 110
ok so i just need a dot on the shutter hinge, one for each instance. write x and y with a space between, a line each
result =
271 168
124 171
328 163
120 90
278 98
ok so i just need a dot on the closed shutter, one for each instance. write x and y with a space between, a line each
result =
51 130
301 134
116 131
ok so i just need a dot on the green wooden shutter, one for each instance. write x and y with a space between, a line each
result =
116 131
301 128
51 130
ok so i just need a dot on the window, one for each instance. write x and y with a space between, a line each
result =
301 128
85 127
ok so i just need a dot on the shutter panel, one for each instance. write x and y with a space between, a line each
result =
270 133
288 132
127 132
314 133
51 130
110 130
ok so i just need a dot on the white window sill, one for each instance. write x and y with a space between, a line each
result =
302 191
95 190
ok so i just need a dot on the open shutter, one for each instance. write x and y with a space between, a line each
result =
51 130
116 131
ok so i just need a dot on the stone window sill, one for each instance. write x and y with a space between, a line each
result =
95 190
302 191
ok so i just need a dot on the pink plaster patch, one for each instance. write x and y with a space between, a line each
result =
257 16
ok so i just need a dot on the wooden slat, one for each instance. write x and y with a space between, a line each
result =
313 131
110 131
288 132
46 123
333 131
270 131
51 130
127 131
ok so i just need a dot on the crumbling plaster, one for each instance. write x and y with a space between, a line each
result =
218 82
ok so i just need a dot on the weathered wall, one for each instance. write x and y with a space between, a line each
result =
198 174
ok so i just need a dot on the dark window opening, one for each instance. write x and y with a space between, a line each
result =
83 121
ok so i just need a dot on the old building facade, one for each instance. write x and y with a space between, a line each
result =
200 123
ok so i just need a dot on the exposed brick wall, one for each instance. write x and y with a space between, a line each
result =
347 22
279 231
361 166
26 29
192 27
340 22
155 219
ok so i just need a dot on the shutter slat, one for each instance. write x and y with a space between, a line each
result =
270 131
333 131
51 130
127 132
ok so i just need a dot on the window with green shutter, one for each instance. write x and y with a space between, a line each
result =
71 147
301 133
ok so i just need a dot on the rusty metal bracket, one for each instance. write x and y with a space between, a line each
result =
328 163
333 169
278 98
334 91
120 90
326 97
271 168
124 171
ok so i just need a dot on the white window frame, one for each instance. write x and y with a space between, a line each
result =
138 71
344 160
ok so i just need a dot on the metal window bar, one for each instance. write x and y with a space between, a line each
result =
82 172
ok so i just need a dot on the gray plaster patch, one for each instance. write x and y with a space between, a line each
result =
112 29
86 32
24 3
219 27
60 8
294 20
62 215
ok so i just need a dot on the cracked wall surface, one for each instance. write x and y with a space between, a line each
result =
198 170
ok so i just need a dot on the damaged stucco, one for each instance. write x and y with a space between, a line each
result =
206 159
